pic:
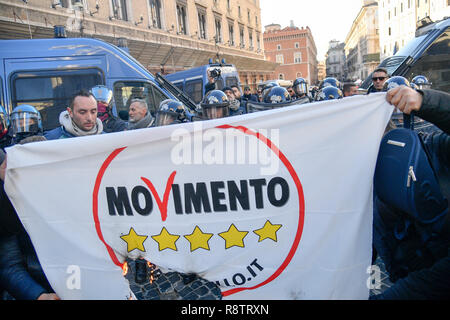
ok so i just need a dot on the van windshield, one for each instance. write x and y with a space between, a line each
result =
392 63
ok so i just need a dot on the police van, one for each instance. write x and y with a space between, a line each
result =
194 80
427 54
46 73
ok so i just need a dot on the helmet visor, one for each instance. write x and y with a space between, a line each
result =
424 86
24 122
216 112
165 118
301 88
102 94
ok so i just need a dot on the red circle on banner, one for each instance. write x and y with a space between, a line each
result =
282 158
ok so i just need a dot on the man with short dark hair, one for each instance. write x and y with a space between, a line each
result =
379 77
80 118
350 89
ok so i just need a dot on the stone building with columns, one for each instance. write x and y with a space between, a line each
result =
165 36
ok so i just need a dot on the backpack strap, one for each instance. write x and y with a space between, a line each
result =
408 120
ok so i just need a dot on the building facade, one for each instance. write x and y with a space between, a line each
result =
398 20
335 60
362 46
164 35
294 50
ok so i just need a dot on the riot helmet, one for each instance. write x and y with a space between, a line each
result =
267 87
329 93
330 81
300 87
421 82
170 111
395 81
25 121
215 105
4 122
104 97
277 95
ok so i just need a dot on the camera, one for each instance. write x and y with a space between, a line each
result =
215 73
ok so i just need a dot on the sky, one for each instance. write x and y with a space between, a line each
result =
327 19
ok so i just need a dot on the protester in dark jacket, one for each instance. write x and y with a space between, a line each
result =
21 274
424 276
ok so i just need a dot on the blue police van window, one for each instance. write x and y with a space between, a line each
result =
2 101
193 89
125 91
435 63
179 85
50 91
231 81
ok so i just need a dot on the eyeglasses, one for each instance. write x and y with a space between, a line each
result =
378 78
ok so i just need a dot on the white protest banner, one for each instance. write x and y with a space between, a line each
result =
269 205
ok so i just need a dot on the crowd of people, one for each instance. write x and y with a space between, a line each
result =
91 112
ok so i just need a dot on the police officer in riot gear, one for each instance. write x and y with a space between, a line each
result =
421 82
330 81
171 112
215 105
105 101
25 122
329 93
266 89
277 95
301 89
395 81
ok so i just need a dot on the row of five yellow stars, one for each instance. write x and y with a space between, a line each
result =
199 239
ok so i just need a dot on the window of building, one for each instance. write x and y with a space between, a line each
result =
119 8
279 58
181 18
241 37
155 13
201 23
218 24
296 45
297 57
250 39
231 33
389 31
278 46
258 41
281 76
248 16
239 11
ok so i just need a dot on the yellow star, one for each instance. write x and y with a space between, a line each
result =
198 239
269 231
233 237
166 240
134 241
